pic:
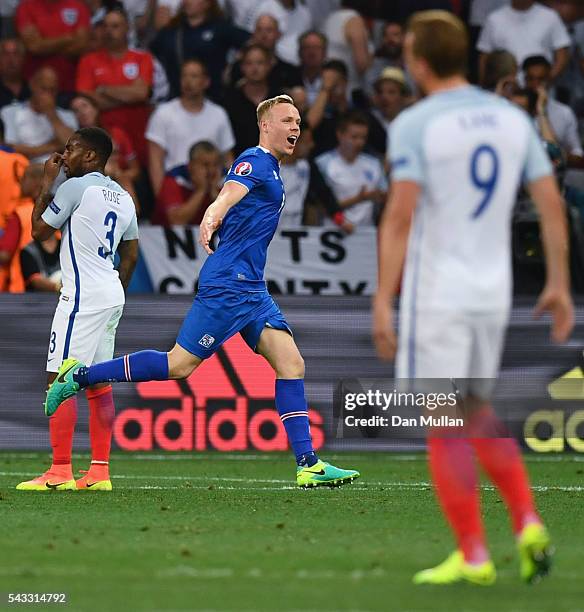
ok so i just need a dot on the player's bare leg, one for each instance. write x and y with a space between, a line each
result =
279 349
181 363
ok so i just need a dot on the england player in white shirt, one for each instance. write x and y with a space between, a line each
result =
97 218
458 158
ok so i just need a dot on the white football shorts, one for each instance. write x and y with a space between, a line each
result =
452 345
86 336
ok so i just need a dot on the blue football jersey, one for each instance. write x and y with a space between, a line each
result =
248 228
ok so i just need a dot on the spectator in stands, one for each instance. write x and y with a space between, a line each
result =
348 41
524 98
356 178
569 87
479 10
330 104
88 115
293 18
389 99
524 29
305 185
98 11
538 76
122 165
188 190
533 103
242 13
39 262
320 10
165 12
39 127
176 125
7 11
140 14
119 79
55 33
312 53
283 75
18 231
389 54
13 86
500 73
12 167
200 31
241 101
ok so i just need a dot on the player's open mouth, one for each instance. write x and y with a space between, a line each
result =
292 140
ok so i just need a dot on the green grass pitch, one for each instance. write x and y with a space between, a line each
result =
231 532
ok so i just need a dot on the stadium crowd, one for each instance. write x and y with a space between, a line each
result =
176 84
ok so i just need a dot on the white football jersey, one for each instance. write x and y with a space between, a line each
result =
94 214
346 180
296 179
469 151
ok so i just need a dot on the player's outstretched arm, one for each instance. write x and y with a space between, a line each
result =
555 297
40 229
394 231
228 197
128 252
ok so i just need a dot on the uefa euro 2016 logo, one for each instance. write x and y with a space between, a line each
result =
243 169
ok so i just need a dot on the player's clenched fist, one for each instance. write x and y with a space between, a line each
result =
53 166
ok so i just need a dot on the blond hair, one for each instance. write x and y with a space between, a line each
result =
267 105
441 39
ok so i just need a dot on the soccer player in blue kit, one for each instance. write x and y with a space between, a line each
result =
232 297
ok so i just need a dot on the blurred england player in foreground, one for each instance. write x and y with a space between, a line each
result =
457 160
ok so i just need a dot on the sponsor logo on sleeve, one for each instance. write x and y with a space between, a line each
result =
54 207
243 169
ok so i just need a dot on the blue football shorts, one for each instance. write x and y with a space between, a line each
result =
218 313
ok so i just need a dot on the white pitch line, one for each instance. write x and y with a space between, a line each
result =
361 486
219 456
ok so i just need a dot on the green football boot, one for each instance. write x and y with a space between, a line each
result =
323 474
63 387
535 553
454 569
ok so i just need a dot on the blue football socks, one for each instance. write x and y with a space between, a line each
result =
137 367
293 410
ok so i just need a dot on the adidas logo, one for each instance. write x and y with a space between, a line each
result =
227 404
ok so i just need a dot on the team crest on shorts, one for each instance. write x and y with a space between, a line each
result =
69 16
206 341
243 169
130 70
